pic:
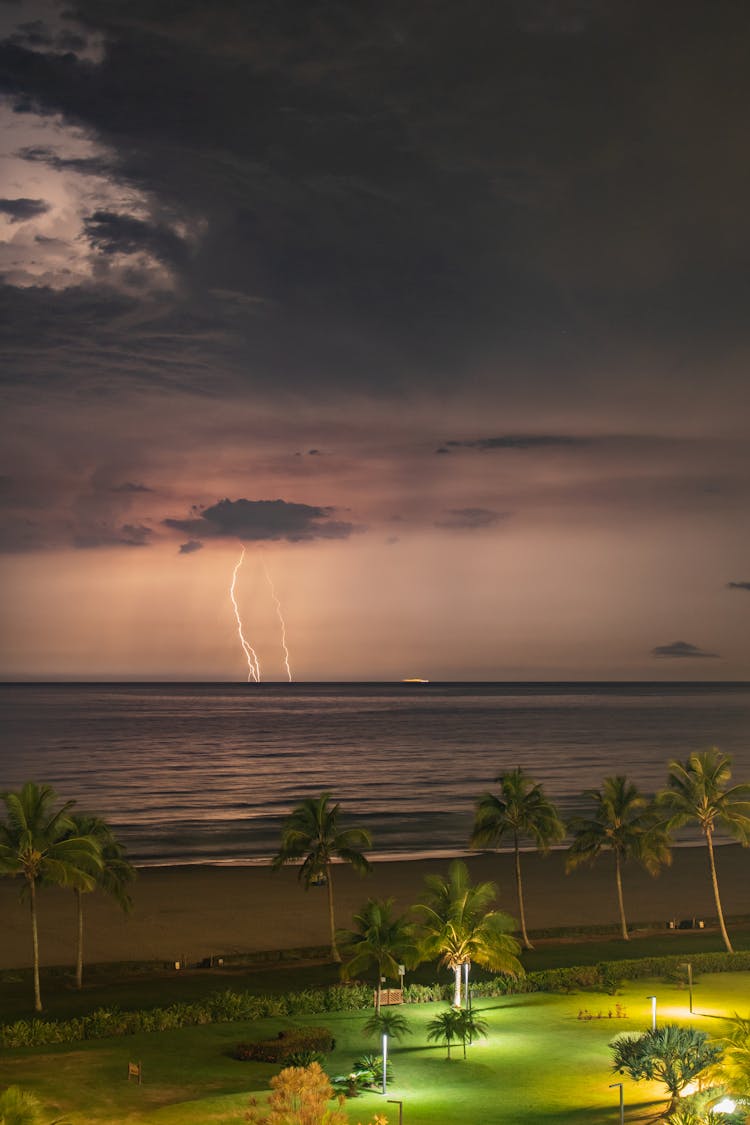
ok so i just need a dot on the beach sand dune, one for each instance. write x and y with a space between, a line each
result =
197 911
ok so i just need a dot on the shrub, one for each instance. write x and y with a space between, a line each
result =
287 1043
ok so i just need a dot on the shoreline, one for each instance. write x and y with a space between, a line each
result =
418 856
194 911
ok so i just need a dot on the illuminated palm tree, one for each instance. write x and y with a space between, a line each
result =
378 939
313 831
623 822
444 1028
457 926
520 811
698 791
38 842
113 876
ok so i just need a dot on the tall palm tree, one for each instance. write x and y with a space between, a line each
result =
39 843
623 822
313 831
378 939
457 926
113 876
697 790
520 811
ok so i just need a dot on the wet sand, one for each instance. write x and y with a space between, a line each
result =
197 911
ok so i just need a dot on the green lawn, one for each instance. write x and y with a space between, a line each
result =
538 1063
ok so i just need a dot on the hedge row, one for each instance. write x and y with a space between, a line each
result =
228 1006
287 1044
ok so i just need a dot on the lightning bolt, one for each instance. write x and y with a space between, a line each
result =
279 614
250 654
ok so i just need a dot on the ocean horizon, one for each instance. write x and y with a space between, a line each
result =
206 772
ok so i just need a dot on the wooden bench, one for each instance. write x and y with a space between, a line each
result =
135 1070
387 996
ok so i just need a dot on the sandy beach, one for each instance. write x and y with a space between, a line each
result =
197 911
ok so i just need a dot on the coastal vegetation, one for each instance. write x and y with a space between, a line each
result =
379 939
623 822
520 811
673 1055
39 842
313 834
457 925
112 877
697 790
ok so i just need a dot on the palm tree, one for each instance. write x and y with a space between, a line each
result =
444 1028
470 1025
313 831
698 791
379 939
624 823
521 811
38 842
113 876
391 1023
457 925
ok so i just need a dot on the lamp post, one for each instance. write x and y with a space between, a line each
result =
622 1100
402 973
467 965
687 965
653 1011
394 1101
385 1059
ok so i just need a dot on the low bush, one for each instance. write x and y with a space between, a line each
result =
294 1041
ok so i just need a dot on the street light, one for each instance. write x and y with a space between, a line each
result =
653 1011
687 965
402 973
622 1100
467 965
394 1101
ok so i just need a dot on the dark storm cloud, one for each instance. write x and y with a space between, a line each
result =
738 585
470 519
20 210
87 165
517 441
565 198
37 35
190 547
128 535
122 234
130 486
264 520
682 650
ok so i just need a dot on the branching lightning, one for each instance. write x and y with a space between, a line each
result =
253 663
277 603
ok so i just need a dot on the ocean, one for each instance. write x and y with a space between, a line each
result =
206 773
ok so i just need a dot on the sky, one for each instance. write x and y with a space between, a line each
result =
439 310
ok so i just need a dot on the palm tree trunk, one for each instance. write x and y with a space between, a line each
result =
519 892
79 948
35 944
715 884
457 986
620 902
335 955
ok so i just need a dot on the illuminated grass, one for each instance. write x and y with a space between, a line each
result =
539 1062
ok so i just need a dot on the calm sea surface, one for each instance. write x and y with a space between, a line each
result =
207 772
